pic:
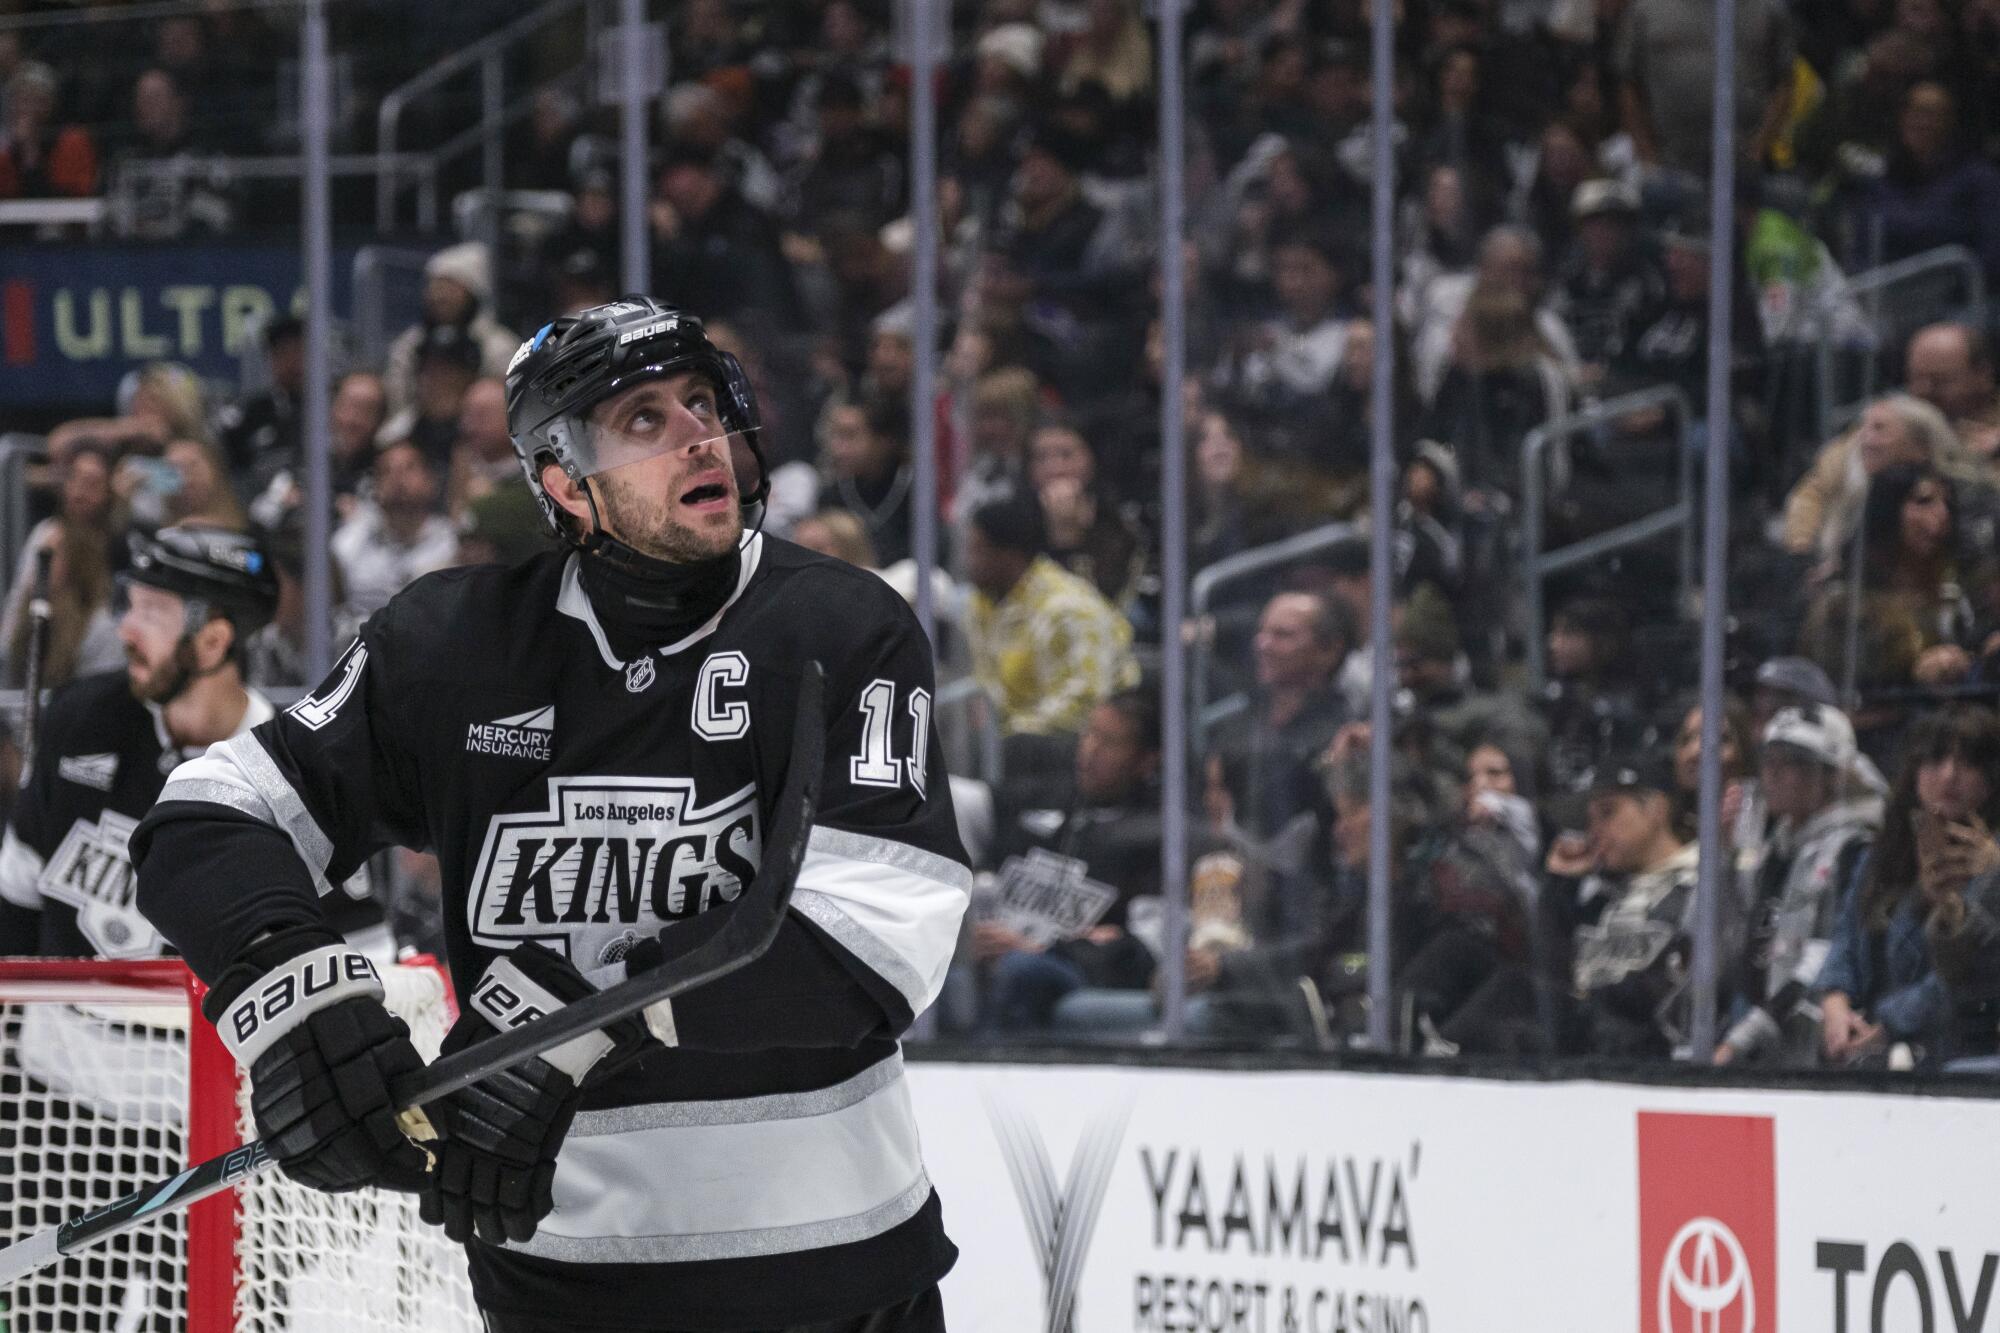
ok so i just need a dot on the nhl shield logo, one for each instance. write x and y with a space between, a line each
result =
638 675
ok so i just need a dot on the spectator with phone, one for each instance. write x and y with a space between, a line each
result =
1880 987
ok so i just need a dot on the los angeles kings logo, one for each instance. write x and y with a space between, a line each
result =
611 861
92 872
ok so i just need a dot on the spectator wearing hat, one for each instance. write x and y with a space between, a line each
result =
398 533
1789 682
40 159
1046 647
260 435
447 364
1629 886
1610 286
1823 819
458 294
718 253
1007 61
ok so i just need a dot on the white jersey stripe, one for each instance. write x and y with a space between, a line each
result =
893 906
21 869
730 1179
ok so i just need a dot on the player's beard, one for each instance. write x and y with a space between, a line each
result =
645 522
164 683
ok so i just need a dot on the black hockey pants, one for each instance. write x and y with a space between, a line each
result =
922 1313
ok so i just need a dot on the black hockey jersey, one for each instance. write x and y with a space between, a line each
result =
65 874
764 1170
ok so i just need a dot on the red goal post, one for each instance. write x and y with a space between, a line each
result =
110 1077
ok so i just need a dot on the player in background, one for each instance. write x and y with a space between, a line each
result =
192 599
591 741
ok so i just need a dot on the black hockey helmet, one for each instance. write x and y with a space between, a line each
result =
578 361
215 571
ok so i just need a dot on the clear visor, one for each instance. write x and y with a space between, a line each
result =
155 608
680 413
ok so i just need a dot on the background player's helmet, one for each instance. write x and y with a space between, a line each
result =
578 361
216 572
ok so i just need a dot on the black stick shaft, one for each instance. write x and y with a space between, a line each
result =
39 614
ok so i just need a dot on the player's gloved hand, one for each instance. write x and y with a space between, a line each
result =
496 1161
303 1013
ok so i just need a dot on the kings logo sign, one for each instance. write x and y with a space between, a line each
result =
92 872
610 859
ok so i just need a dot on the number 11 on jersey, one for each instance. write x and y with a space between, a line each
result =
877 765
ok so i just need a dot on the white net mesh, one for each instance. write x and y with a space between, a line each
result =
314 1263
94 1101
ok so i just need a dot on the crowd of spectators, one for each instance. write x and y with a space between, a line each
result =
1552 256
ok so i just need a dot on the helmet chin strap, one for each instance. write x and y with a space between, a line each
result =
643 601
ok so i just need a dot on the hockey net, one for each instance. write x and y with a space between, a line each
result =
111 1079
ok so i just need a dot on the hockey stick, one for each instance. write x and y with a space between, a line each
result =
39 615
753 924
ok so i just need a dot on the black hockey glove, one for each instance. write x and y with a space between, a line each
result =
303 1013
496 1161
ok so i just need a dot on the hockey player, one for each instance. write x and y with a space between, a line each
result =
591 741
192 598
99 1084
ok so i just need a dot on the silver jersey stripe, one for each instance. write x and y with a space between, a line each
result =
743 1110
888 852
211 792
241 774
21 869
757 1176
731 1245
